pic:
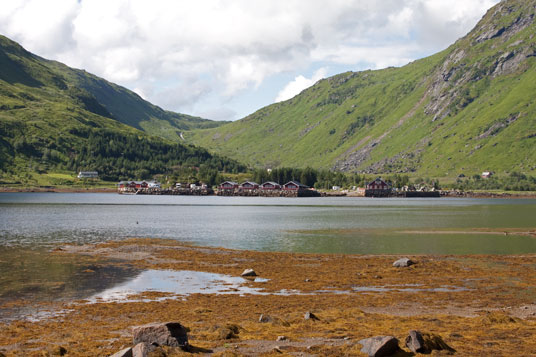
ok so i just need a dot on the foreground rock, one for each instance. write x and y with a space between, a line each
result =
125 352
310 316
403 263
161 334
425 343
249 272
140 350
380 346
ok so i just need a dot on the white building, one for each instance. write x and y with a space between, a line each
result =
88 174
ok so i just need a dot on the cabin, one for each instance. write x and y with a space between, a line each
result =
132 185
294 186
88 174
270 186
228 185
249 185
487 174
377 188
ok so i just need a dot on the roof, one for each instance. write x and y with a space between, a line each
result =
296 183
231 182
250 182
271 183
379 179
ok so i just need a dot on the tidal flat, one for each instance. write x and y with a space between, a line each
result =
478 304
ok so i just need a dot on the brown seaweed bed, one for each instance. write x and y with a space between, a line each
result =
480 305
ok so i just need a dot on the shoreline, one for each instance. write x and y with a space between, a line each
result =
479 304
446 194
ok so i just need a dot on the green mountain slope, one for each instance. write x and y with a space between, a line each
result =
466 109
54 118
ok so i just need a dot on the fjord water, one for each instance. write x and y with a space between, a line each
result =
323 225
33 223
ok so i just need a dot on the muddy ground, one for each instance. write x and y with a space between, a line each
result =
479 305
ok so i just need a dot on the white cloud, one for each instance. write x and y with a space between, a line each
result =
231 47
298 84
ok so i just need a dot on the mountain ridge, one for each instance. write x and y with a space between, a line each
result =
54 119
465 109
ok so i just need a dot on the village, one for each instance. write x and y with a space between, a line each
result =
376 188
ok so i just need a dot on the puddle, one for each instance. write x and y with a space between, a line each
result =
183 283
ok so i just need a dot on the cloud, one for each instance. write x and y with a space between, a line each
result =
300 83
231 47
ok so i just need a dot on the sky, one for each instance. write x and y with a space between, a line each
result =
223 60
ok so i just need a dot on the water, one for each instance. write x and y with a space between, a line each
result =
33 223
324 225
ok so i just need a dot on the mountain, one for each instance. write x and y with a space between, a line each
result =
467 109
53 117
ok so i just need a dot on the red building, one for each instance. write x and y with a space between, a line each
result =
294 186
377 188
249 185
228 185
270 185
125 185
377 184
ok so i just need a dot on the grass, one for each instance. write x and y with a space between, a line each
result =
320 126
487 318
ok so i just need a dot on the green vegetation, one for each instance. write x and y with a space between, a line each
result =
515 181
55 121
467 109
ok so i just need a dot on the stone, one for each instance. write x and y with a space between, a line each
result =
161 334
141 350
380 346
403 263
265 318
310 316
249 272
425 343
414 341
125 352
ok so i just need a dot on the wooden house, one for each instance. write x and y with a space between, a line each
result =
377 188
228 185
249 186
294 186
270 186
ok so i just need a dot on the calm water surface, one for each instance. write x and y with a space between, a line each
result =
32 223
327 225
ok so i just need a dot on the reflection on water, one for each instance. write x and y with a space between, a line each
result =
324 225
31 223
31 278
181 282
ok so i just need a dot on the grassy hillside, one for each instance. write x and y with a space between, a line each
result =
56 119
464 110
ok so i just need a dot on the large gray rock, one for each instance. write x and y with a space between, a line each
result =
415 342
141 350
125 352
425 343
380 346
402 263
161 334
